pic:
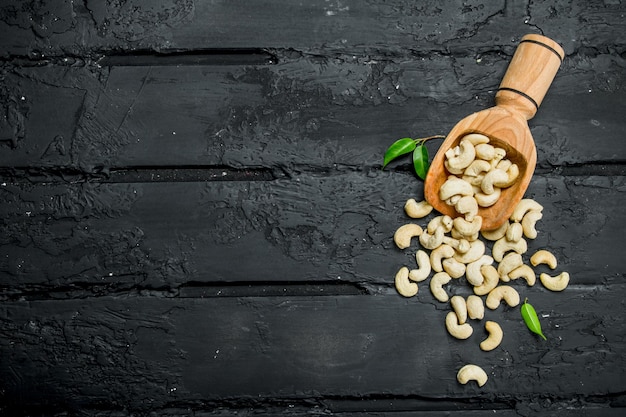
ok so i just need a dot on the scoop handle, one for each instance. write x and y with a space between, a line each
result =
530 73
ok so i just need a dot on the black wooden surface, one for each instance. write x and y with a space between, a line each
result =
195 220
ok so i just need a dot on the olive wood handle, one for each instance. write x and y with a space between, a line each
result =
529 75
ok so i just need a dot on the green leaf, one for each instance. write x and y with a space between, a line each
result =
531 319
398 148
420 161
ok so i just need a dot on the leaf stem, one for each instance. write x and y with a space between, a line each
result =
422 140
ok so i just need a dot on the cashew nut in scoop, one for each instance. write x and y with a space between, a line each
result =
495 178
468 228
485 151
543 256
453 267
496 234
488 200
423 264
468 206
432 241
477 249
503 292
557 283
441 252
514 232
491 279
477 167
460 331
529 222
495 336
476 138
503 246
511 261
498 155
475 307
472 272
454 186
417 210
526 272
457 163
525 205
405 233
460 308
436 283
472 372
405 287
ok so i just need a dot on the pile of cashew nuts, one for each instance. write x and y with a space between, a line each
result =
453 248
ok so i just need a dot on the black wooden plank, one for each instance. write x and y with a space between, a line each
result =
140 353
335 227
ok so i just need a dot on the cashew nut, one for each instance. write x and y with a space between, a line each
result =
454 186
472 372
488 200
476 138
475 307
496 234
525 205
432 241
436 283
405 287
436 255
453 267
543 256
405 233
503 246
417 210
526 272
457 163
468 228
495 336
477 249
512 172
468 206
491 279
472 272
459 245
529 222
557 283
485 151
444 222
477 167
423 270
503 292
514 232
460 331
494 178
511 261
460 308
498 155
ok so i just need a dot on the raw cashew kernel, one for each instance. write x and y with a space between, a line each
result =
488 200
476 138
441 252
495 336
405 233
477 167
491 279
543 256
494 178
503 246
525 205
475 307
468 228
460 331
423 270
526 272
477 249
405 287
443 221
557 283
453 267
467 206
514 232
460 308
503 292
417 210
529 222
496 234
498 155
511 261
436 283
472 372
512 172
432 241
459 245
464 158
473 274
485 151
454 186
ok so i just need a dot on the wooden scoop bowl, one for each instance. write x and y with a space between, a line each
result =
527 79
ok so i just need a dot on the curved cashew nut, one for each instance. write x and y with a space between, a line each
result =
423 270
494 178
468 206
488 200
477 167
459 245
443 221
514 232
557 283
511 261
526 272
475 307
543 256
477 249
476 138
472 272
504 164
498 155
441 252
496 234
525 205
457 235
454 186
405 287
468 228
432 241
465 156
453 267
460 308
436 283
417 210
491 279
529 222
472 372
485 151
495 336
460 331
405 233
512 173
503 292
503 246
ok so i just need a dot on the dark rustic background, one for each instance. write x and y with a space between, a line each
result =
195 220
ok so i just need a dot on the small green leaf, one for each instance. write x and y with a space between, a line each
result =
420 161
398 148
531 319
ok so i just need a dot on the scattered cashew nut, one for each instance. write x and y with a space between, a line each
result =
405 287
475 307
460 308
436 283
495 336
472 372
423 267
557 283
543 256
417 210
502 292
405 233
457 330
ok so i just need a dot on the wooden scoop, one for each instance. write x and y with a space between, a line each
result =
527 79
